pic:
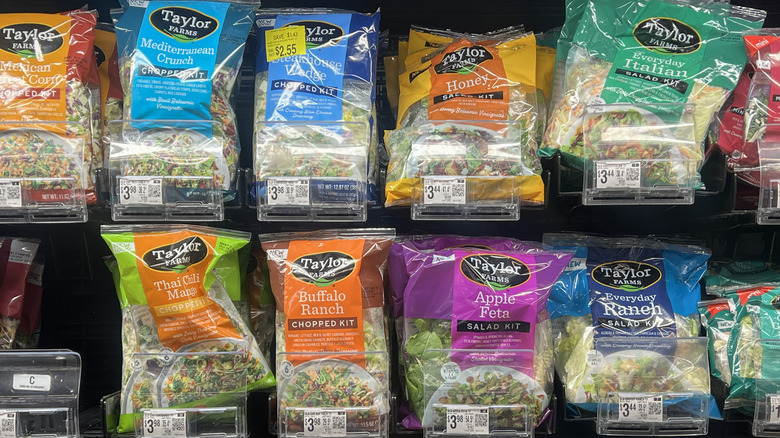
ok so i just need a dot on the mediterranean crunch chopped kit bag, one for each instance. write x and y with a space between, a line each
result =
621 287
329 291
173 299
179 60
483 300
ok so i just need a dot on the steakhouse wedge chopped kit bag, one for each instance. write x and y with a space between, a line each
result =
174 300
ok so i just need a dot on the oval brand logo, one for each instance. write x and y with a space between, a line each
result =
667 36
177 257
776 302
28 40
463 61
185 25
100 56
495 271
319 33
323 269
626 275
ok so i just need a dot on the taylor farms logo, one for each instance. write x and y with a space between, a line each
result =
496 271
667 36
177 257
626 275
463 61
30 40
323 269
319 33
183 24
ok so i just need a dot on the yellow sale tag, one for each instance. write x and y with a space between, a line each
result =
284 42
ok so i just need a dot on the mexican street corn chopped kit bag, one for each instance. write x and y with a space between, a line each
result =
649 52
174 300
624 287
327 93
329 291
179 61
46 61
479 300
469 110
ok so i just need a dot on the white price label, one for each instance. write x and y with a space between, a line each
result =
288 192
641 408
470 421
165 423
8 425
140 191
10 194
330 423
32 382
617 174
444 191
774 409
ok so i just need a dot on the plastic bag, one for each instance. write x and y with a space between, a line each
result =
461 114
761 112
30 324
180 72
262 307
16 257
717 317
333 81
173 298
729 130
329 293
479 299
649 51
108 66
619 287
723 278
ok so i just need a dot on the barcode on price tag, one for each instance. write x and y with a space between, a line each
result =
641 408
330 423
288 192
444 191
10 194
473 421
774 409
133 191
8 425
165 423
617 174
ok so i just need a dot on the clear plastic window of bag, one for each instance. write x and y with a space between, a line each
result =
640 154
43 176
333 394
469 170
769 185
39 393
311 171
766 421
167 170
650 386
483 392
197 394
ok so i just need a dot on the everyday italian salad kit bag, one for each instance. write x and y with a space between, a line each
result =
174 299
179 61
624 287
329 291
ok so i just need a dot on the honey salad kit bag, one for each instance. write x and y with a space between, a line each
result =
178 63
331 337
672 64
469 110
174 300
314 107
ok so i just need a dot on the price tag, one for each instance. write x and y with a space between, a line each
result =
285 41
140 191
8 425
165 423
10 194
444 191
641 408
32 382
774 409
288 192
617 174
324 423
473 421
